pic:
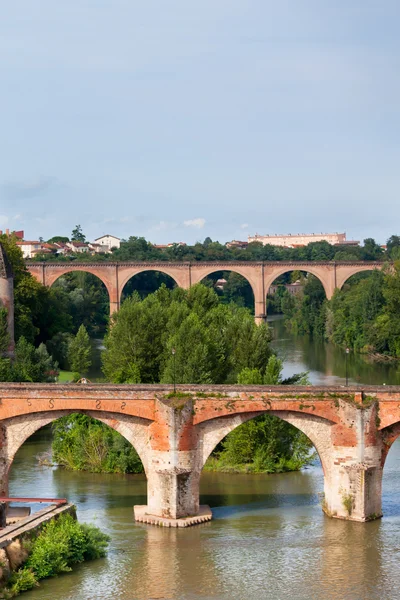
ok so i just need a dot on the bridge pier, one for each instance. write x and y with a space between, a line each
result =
354 492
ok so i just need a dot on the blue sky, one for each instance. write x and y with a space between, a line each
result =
184 119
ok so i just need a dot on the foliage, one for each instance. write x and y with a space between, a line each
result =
265 444
364 315
213 342
58 238
304 312
61 543
39 311
85 299
79 352
30 364
81 443
20 581
77 234
4 336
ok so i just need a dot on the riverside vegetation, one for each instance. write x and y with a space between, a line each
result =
59 545
212 331
364 315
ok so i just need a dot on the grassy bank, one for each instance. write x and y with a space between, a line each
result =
65 377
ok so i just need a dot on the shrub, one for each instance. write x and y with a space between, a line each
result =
62 543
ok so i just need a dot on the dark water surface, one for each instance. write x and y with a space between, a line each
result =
268 540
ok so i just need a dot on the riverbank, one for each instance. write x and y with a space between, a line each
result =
43 545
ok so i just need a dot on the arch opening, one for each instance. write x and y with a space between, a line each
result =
147 282
390 463
262 442
352 280
297 296
231 286
291 442
87 301
83 299
72 441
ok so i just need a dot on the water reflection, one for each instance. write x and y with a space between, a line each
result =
326 363
269 539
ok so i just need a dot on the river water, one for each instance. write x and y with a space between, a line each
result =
269 538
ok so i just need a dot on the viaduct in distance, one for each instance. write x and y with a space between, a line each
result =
352 429
260 275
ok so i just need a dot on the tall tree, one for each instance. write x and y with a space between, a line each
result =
79 352
77 234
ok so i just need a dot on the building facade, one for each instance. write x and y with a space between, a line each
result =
291 240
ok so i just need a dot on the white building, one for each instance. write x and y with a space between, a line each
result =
291 240
108 240
29 248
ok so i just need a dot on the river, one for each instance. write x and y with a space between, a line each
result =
269 538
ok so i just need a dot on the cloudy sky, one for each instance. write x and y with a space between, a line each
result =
184 119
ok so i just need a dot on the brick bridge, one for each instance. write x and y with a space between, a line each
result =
260 275
352 431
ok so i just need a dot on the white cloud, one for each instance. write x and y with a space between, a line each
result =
244 226
199 223
163 226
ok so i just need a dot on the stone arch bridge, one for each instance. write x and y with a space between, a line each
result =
174 433
260 275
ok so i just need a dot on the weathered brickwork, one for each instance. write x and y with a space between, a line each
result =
352 432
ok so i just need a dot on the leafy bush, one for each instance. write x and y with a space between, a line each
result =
20 581
62 543
81 443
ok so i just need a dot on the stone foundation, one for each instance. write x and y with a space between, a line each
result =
142 516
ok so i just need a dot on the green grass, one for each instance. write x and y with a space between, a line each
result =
65 377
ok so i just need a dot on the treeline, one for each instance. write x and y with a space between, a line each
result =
364 315
139 249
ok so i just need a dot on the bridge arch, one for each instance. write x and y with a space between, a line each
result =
16 431
249 272
316 428
320 273
344 274
128 278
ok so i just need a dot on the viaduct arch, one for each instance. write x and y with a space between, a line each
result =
260 275
351 430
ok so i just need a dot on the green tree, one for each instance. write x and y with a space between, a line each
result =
77 234
30 364
81 443
4 336
79 352
58 238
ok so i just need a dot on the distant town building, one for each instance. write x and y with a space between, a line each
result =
17 234
292 240
171 245
29 248
111 241
293 288
220 283
78 247
237 244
